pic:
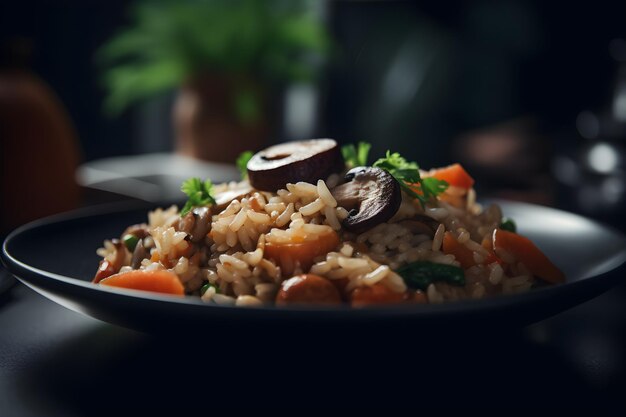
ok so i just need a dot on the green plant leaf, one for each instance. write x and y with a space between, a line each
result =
169 42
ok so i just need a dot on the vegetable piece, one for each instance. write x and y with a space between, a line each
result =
454 175
461 253
377 294
371 195
421 274
408 175
130 241
308 161
355 156
112 266
105 269
139 230
199 194
156 281
224 198
508 225
287 254
307 289
421 225
206 286
523 250
242 163
139 254
196 223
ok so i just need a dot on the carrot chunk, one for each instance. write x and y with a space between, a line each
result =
454 175
462 253
525 251
156 281
286 254
377 294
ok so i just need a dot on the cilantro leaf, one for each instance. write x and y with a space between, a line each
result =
434 186
408 175
242 163
199 193
355 156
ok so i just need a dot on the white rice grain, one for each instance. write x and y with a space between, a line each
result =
223 300
438 238
325 194
238 221
236 263
260 218
375 276
331 218
312 208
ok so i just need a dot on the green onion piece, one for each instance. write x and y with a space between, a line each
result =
508 225
419 275
206 286
130 241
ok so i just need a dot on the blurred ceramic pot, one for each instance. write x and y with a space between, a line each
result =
211 124
38 150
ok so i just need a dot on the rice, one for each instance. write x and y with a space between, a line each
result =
234 259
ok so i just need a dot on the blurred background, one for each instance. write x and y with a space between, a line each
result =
109 100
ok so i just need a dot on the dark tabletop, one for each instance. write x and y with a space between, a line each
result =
54 361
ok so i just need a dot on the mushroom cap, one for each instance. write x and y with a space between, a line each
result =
372 195
307 160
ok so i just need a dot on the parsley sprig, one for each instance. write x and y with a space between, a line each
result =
408 175
242 163
199 193
355 156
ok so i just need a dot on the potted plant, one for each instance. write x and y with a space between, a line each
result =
225 57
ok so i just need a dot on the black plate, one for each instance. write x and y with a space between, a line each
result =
56 257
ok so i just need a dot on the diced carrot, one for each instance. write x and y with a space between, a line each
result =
303 251
492 257
454 175
525 251
462 253
156 281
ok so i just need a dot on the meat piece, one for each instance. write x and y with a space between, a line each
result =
307 289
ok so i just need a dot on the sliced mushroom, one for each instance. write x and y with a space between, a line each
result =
371 195
419 224
139 254
196 223
202 223
223 199
186 223
308 160
139 230
111 264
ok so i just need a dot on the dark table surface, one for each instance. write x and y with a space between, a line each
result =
54 361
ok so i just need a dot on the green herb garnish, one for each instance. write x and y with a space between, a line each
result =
508 225
355 156
408 175
198 193
419 275
242 163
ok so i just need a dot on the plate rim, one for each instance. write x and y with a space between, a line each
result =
20 269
